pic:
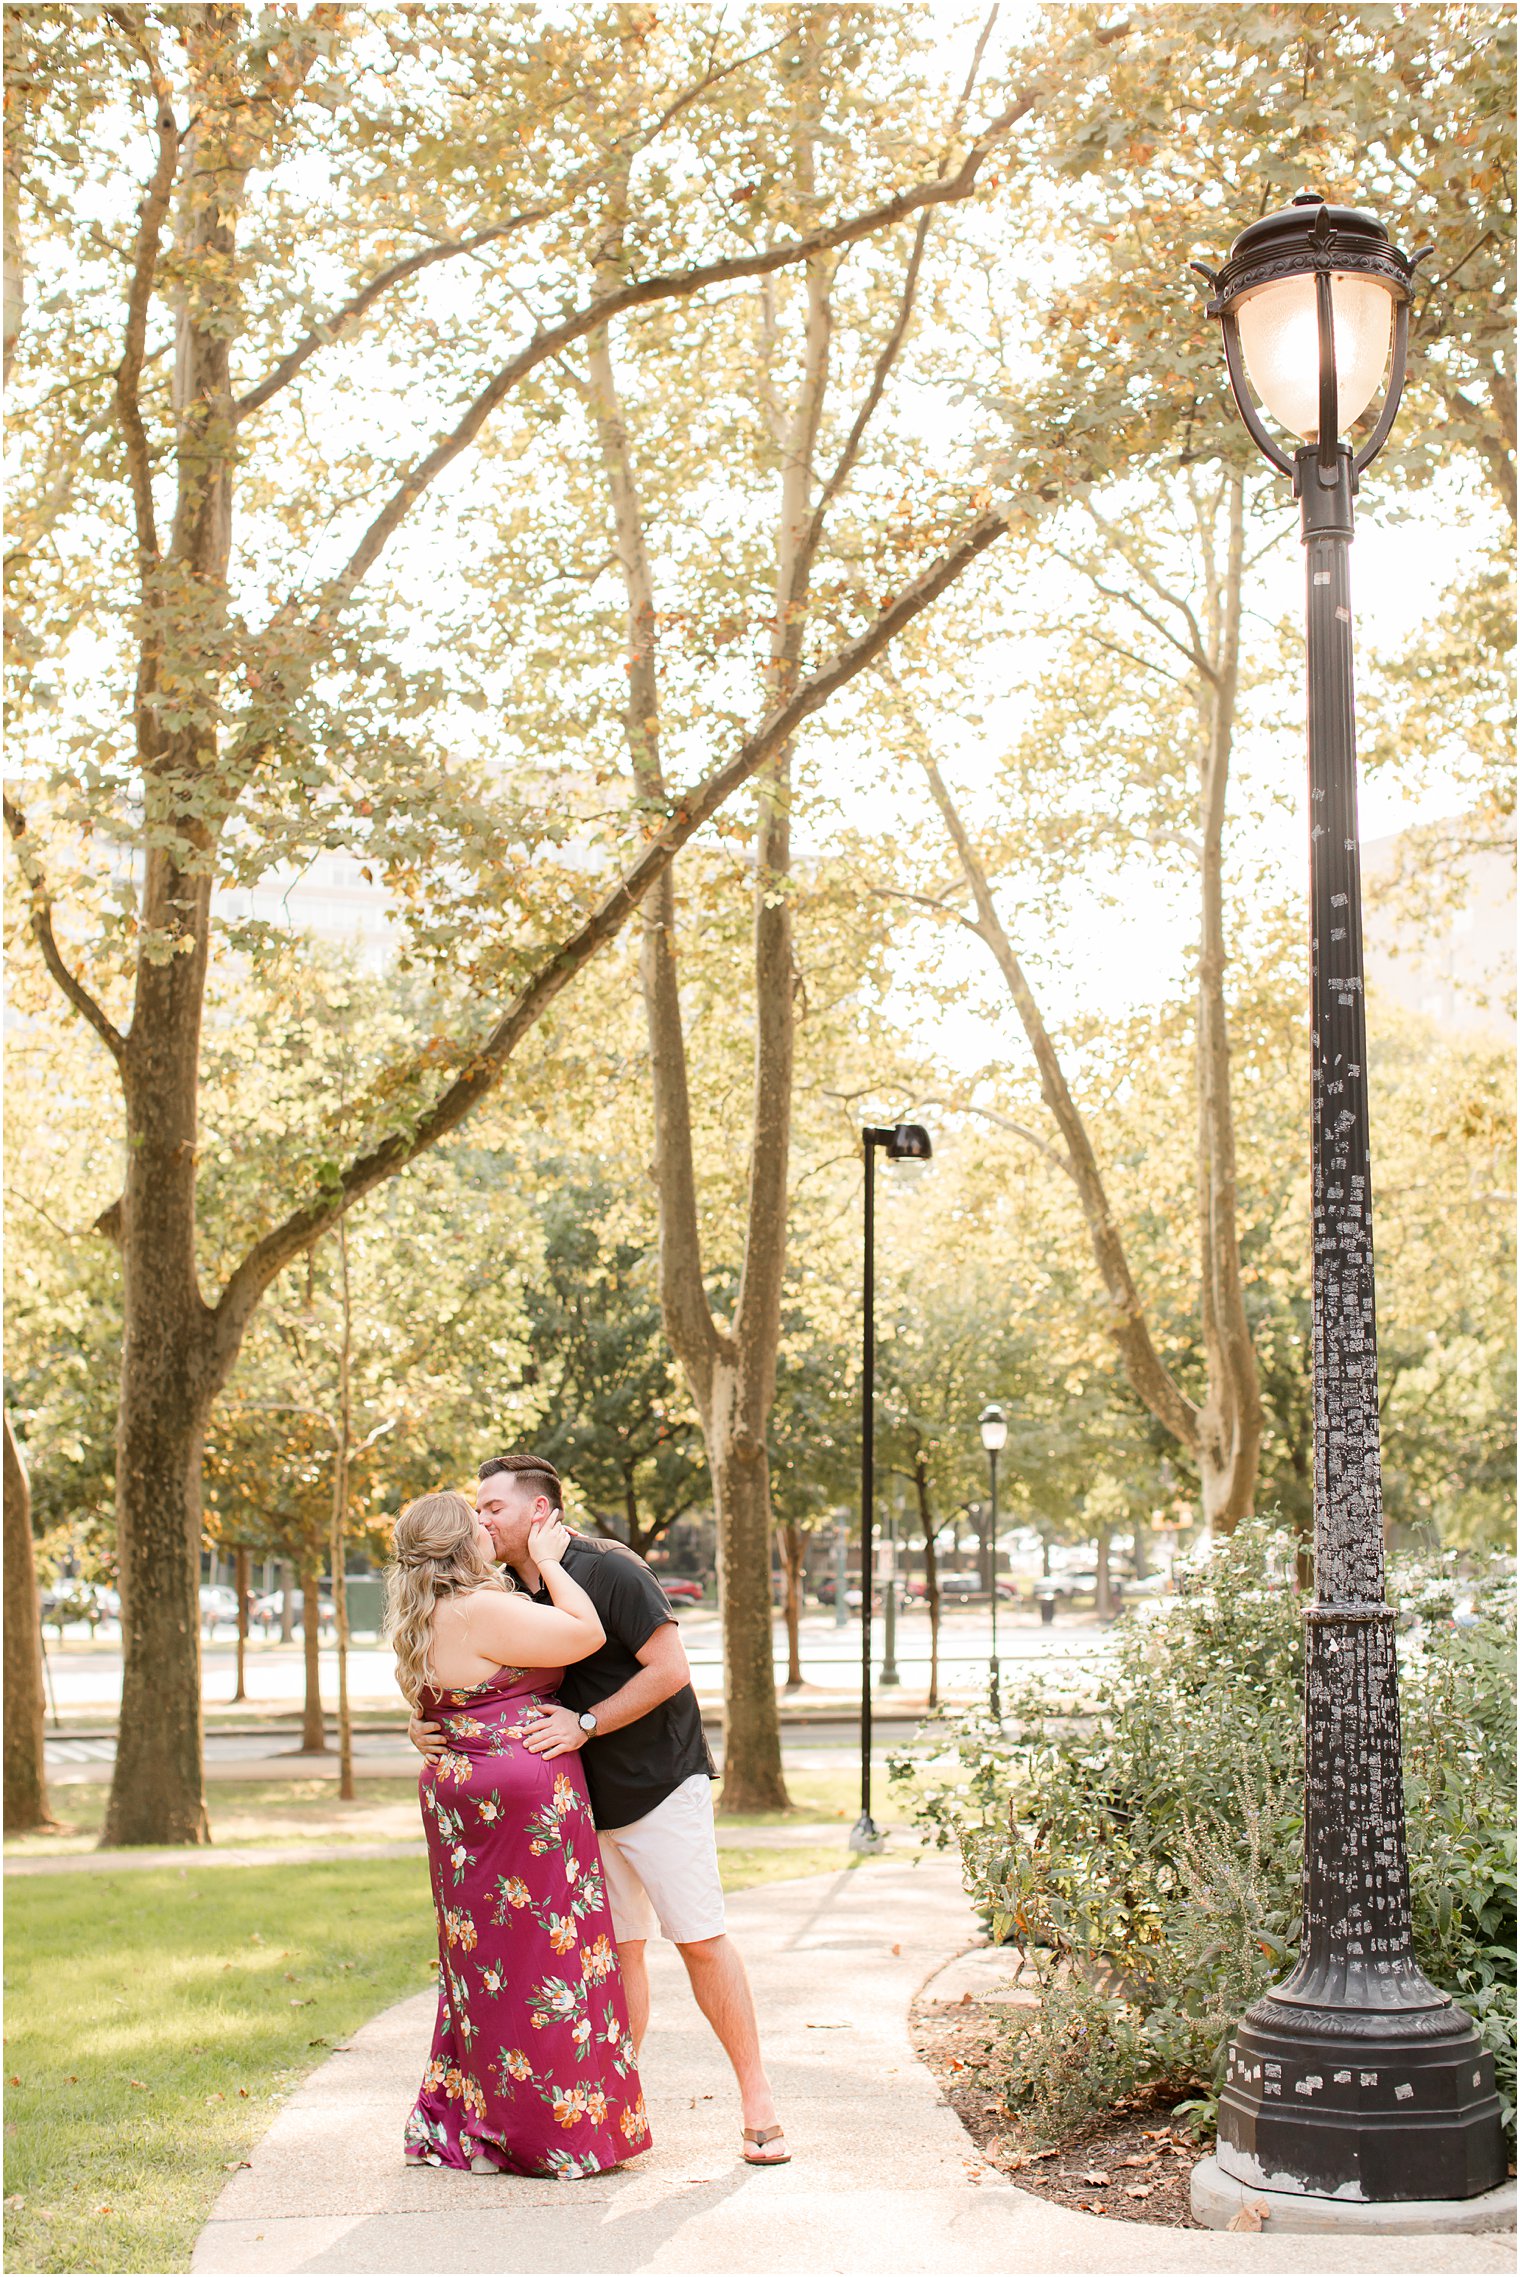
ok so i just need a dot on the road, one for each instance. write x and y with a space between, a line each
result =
85 1677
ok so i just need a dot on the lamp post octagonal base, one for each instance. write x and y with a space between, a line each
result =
1216 2198
866 1836
1363 2105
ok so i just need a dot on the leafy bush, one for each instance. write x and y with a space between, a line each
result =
1146 1857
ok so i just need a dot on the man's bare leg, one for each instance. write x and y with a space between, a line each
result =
635 1988
718 1980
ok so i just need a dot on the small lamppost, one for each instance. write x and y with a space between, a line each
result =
906 1143
1355 2078
993 1424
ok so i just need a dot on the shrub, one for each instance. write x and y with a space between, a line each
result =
1146 1857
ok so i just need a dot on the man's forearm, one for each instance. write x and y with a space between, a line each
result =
637 1697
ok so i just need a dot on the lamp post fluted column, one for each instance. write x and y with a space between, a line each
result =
1356 2078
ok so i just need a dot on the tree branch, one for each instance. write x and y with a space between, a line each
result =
41 921
1169 599
274 1250
929 901
681 284
1152 1380
324 334
904 318
150 221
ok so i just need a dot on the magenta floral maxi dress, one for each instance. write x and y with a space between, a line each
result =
532 2060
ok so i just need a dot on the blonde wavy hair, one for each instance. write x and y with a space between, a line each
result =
434 1554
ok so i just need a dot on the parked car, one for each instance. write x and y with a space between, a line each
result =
65 1601
219 1608
682 1591
826 1591
953 1585
266 1612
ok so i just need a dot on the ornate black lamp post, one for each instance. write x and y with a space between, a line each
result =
1355 2078
993 1425
903 1142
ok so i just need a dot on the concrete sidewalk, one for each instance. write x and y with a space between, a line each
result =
883 2180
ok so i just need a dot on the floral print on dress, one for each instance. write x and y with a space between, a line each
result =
527 1962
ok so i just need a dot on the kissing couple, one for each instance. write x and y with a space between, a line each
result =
567 1804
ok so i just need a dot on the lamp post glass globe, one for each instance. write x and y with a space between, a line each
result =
1279 339
993 1424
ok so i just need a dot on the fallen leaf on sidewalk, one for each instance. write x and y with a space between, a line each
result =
231 2164
896 1950
1250 2217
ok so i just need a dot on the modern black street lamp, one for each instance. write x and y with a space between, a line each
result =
1355 2078
993 1424
902 1142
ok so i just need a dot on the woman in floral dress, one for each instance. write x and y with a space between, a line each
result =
532 2066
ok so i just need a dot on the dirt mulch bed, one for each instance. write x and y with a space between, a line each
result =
1133 2165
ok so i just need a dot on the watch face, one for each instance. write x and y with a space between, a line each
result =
587 1722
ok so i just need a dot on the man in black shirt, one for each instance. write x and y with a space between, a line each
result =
630 1710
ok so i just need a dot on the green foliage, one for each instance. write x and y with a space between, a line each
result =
612 1412
1146 1858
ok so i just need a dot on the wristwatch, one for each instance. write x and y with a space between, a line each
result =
587 1722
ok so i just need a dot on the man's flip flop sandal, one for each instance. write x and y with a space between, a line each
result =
760 2136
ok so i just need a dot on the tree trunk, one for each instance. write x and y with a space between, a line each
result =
240 1583
930 1528
287 1586
166 1389
26 1797
313 1724
793 1551
1104 1602
752 1775
1142 1549
169 1364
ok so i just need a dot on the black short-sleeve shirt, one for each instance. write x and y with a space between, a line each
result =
629 1772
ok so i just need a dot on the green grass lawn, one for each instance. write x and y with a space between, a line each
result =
268 1811
154 2021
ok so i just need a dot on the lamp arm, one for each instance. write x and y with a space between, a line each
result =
1329 405
1250 416
1395 389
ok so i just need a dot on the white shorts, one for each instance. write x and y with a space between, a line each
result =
662 1871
